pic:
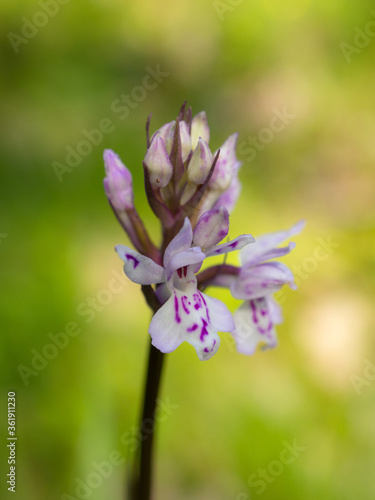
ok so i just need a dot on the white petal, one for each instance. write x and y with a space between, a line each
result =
182 241
253 326
193 317
266 243
261 280
139 268
231 246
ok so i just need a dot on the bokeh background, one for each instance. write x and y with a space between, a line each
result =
239 61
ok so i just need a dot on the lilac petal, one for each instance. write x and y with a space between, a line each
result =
254 325
227 164
230 246
139 268
229 198
262 280
267 242
274 310
212 227
193 317
118 184
184 258
158 162
182 241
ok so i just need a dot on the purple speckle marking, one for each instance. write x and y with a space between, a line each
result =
182 272
197 300
192 328
206 349
204 330
234 244
254 311
185 302
130 257
205 305
267 329
176 316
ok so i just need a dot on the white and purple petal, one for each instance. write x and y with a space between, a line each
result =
183 259
265 244
231 246
254 325
193 317
139 268
212 227
229 198
182 241
261 280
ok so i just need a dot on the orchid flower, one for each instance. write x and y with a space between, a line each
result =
188 314
260 276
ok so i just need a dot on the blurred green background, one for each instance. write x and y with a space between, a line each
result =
240 63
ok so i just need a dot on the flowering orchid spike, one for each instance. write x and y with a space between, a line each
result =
192 192
199 129
118 184
158 163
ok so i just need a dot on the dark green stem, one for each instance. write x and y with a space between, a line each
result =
141 489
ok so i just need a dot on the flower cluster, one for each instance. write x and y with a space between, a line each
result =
192 191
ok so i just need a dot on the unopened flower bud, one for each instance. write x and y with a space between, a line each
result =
226 166
200 163
199 128
158 163
166 133
212 227
185 140
118 183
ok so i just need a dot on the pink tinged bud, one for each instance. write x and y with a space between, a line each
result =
158 162
167 133
226 165
212 227
118 183
185 140
199 128
200 163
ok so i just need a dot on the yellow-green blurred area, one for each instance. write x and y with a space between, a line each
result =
242 62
